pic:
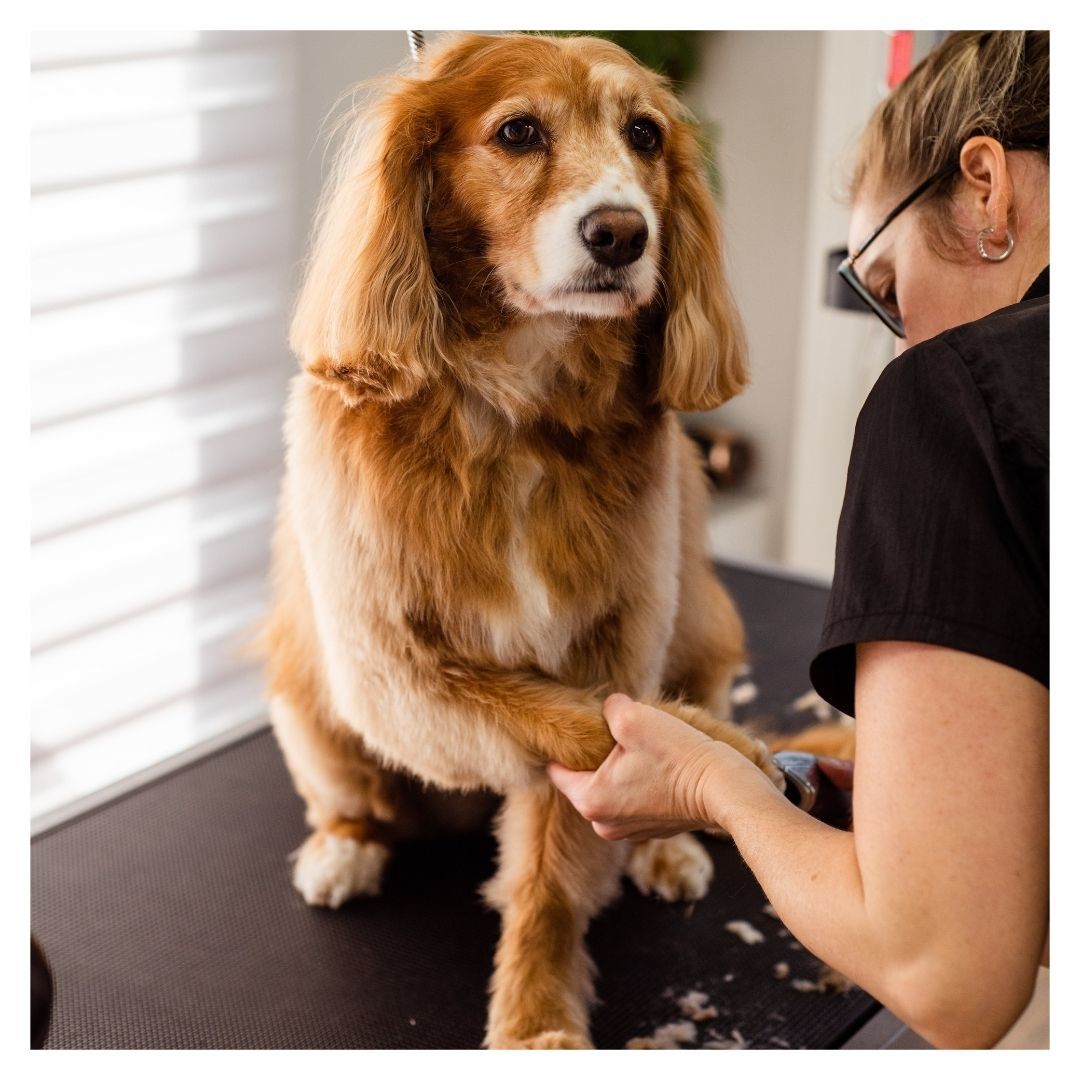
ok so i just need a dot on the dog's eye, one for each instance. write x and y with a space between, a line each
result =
644 135
519 134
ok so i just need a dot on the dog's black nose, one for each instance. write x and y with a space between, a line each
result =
614 237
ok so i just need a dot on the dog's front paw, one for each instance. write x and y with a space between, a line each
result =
546 1040
674 867
735 736
332 869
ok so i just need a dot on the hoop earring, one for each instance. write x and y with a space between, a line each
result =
982 247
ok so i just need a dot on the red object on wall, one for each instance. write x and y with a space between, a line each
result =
901 50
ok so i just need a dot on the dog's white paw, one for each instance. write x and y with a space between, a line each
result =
675 867
331 869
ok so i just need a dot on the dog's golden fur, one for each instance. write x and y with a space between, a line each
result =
491 517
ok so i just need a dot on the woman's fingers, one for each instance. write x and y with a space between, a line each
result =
840 772
571 783
643 788
619 712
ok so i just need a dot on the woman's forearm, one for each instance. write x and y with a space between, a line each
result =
812 877
810 873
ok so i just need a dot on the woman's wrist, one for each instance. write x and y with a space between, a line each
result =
695 780
733 789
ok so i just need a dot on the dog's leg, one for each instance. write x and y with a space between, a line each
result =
708 643
706 650
707 647
554 875
349 804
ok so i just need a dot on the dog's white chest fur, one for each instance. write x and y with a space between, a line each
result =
529 629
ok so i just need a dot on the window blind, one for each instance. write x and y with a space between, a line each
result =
162 231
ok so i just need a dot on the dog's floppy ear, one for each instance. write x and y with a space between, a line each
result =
703 361
368 320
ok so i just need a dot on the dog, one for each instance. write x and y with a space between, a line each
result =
490 516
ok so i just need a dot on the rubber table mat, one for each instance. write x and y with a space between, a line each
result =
169 920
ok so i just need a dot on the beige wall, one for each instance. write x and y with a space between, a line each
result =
327 64
758 89
840 353
790 106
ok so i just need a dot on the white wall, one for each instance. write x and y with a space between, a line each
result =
840 353
758 90
328 64
790 106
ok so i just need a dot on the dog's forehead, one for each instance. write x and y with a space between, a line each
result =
565 78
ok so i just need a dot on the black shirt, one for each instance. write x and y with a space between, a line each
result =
944 536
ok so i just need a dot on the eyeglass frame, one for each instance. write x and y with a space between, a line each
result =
846 269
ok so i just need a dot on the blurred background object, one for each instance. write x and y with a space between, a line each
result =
674 53
728 456
41 995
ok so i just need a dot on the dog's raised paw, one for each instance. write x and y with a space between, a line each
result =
674 867
546 1040
331 869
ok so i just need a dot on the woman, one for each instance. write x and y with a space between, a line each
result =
936 635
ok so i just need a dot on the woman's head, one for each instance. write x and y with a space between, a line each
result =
977 110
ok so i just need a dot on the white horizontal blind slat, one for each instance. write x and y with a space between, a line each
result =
122 377
152 736
82 96
125 486
64 47
72 156
162 186
75 276
86 684
112 212
90 444
154 316
104 571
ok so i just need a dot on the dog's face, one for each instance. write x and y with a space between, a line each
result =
563 166
513 177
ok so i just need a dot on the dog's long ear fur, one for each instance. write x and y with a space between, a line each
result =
368 320
704 351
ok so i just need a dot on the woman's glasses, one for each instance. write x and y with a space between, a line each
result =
846 269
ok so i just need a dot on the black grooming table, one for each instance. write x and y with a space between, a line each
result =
170 922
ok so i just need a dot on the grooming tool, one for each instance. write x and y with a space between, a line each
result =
811 790
416 44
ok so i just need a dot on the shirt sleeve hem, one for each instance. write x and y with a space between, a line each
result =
832 671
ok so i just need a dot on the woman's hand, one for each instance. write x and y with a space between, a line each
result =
663 777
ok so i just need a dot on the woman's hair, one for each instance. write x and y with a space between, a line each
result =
976 82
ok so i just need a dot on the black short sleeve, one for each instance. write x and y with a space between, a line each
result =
944 532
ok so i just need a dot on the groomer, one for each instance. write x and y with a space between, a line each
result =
936 635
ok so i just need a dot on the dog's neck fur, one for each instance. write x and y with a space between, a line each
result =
569 371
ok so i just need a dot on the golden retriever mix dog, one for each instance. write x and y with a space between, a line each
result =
491 517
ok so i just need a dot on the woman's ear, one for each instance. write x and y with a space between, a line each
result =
988 186
368 320
703 360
